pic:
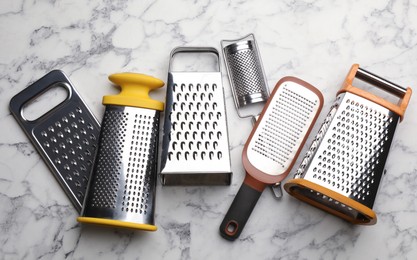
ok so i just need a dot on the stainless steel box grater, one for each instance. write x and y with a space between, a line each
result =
122 188
66 136
342 171
195 148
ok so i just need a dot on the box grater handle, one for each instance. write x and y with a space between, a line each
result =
35 90
380 82
194 50
403 93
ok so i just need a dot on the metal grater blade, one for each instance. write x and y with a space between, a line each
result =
353 146
124 172
66 137
343 169
123 181
273 146
282 128
245 71
195 148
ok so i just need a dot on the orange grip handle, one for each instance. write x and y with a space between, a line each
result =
396 108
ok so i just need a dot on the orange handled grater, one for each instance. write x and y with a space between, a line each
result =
342 170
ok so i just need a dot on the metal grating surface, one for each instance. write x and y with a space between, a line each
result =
282 128
69 141
246 72
354 144
139 170
126 160
195 129
195 135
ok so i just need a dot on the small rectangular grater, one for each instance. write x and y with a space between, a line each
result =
66 137
246 74
342 171
195 149
123 181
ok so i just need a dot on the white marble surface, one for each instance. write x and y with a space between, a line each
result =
314 40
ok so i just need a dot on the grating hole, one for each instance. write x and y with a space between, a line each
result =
355 147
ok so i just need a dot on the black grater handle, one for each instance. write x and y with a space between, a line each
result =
35 90
239 212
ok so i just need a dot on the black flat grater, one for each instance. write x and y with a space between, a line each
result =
66 137
343 169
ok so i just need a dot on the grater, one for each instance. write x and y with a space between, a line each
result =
246 74
195 148
247 81
342 170
66 136
121 192
273 146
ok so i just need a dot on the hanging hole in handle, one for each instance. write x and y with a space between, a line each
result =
45 102
194 62
231 228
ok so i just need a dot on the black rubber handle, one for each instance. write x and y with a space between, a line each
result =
239 212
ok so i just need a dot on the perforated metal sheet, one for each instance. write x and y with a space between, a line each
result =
69 140
282 128
195 125
124 176
246 73
349 153
66 136
195 130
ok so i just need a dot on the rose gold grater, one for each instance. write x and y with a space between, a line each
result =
121 192
342 171
273 146
195 148
66 137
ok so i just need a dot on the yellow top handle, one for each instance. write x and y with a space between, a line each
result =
135 90
403 93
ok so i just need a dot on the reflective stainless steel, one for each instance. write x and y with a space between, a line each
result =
124 175
245 71
349 153
195 148
284 126
66 137
247 79
380 82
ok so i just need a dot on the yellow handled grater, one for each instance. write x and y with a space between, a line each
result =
121 192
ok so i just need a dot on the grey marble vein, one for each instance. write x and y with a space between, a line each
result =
315 40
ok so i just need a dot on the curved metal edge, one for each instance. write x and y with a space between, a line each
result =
224 44
191 49
36 89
